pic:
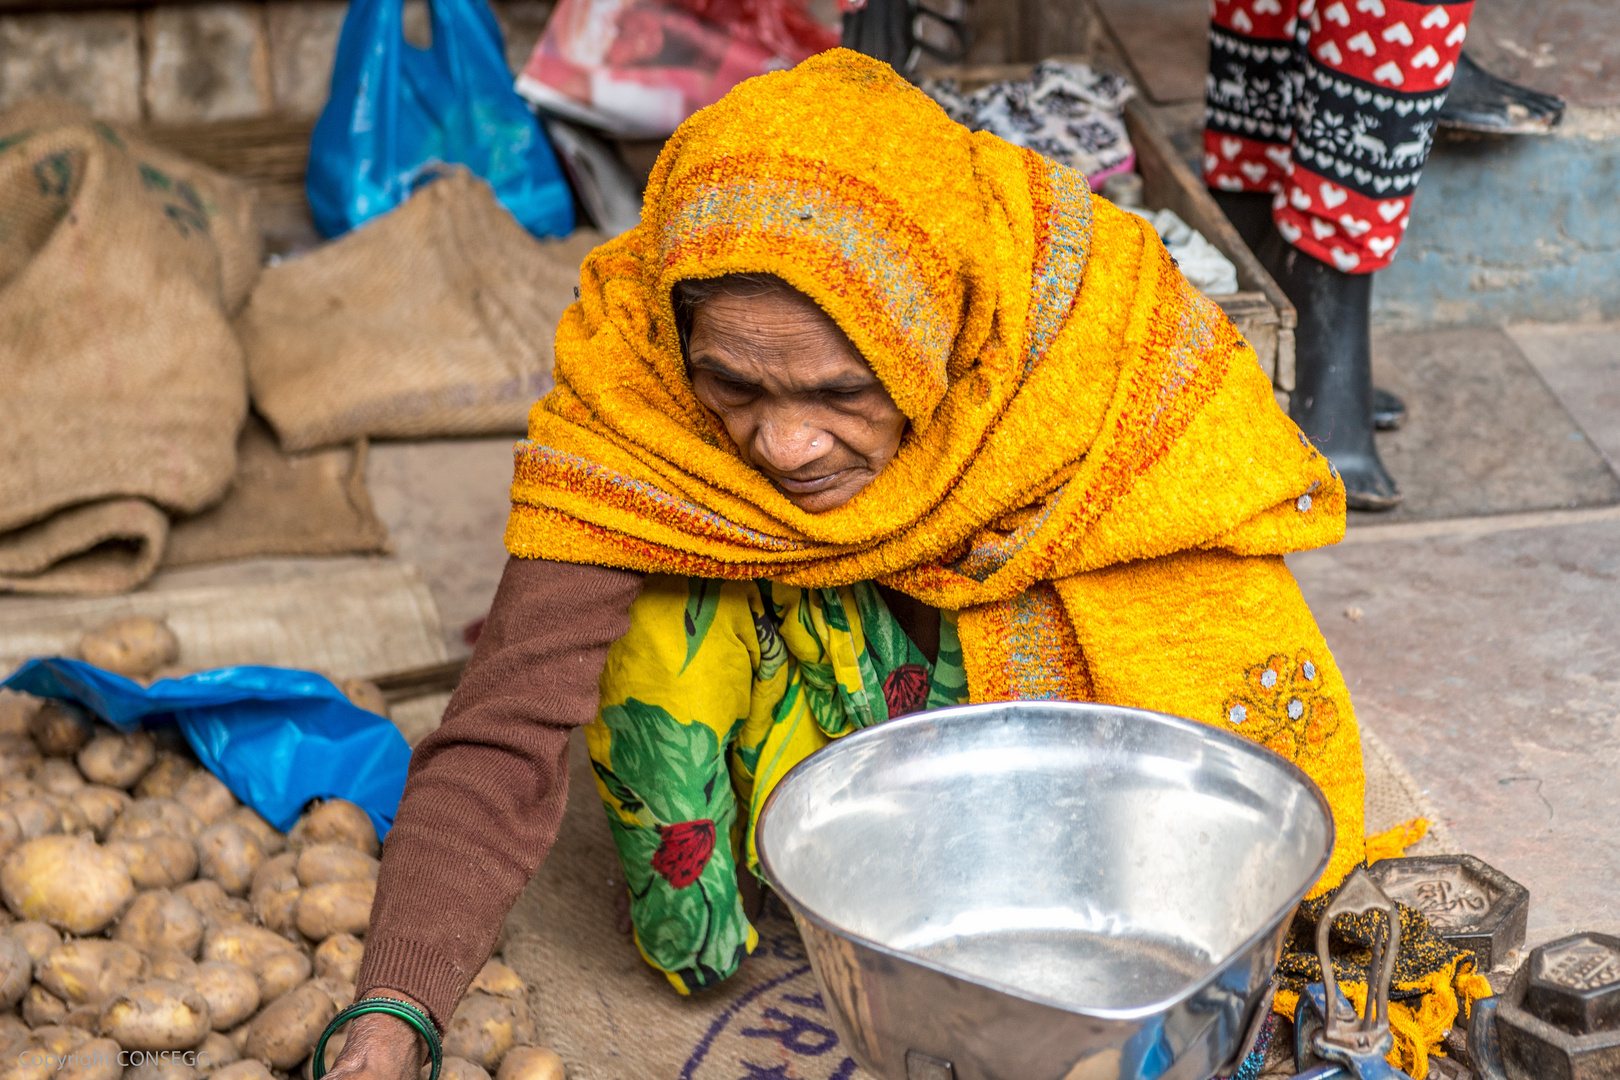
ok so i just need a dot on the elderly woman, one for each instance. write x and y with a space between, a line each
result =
869 415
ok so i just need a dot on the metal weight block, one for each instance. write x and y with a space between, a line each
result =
1560 1017
1469 903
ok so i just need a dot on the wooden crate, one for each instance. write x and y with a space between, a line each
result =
1259 309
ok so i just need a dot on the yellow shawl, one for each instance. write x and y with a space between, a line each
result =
1096 474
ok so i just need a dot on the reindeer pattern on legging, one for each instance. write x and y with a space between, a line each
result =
1330 105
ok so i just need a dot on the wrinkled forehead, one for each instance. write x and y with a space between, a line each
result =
838 239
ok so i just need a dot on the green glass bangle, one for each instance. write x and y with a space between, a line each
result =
389 1007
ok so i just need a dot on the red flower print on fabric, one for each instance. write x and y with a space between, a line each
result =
906 690
684 852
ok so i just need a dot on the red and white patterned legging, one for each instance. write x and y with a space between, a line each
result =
1331 105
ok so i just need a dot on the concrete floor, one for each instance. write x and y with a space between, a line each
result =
1480 641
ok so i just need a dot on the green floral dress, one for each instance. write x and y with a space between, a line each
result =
718 689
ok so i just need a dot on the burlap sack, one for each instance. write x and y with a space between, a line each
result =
434 319
283 504
121 382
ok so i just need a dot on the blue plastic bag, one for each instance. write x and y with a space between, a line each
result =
398 114
275 736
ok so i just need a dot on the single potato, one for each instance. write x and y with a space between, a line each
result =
494 978
147 817
338 907
365 694
319 864
37 937
280 972
101 806
11 833
16 970
88 971
244 1070
160 919
41 1008
59 729
334 1047
15 712
230 989
165 776
19 786
244 944
485 1027
18 757
275 893
338 957
12 1029
229 854
215 1052
335 821
156 1015
73 820
115 759
341 993
284 1033
172 964
58 776
66 881
206 896
36 816
459 1068
96 1059
273 842
531 1063
157 862
153 1067
135 646
205 795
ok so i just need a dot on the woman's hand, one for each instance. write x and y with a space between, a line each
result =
380 1047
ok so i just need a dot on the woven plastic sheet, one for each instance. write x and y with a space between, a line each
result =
277 737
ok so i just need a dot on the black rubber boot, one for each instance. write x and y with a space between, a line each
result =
1332 400
1478 101
1389 411
882 29
1250 213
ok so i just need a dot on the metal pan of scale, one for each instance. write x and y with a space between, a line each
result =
1044 890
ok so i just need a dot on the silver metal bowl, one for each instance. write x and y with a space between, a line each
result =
1044 890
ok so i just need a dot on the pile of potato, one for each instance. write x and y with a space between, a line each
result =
147 911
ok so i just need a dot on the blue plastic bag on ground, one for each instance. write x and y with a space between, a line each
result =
398 114
275 736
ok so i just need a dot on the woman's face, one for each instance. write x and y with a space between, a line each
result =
794 394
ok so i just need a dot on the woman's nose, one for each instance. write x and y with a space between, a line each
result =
787 444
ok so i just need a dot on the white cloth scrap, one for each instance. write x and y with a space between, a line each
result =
1200 260
1064 111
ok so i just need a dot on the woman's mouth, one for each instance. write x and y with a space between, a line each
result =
810 486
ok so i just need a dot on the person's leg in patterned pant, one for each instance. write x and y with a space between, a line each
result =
1321 115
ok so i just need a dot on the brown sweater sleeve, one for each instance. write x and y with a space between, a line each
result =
486 791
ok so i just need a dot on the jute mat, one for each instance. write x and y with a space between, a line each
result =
611 1017
283 504
349 617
